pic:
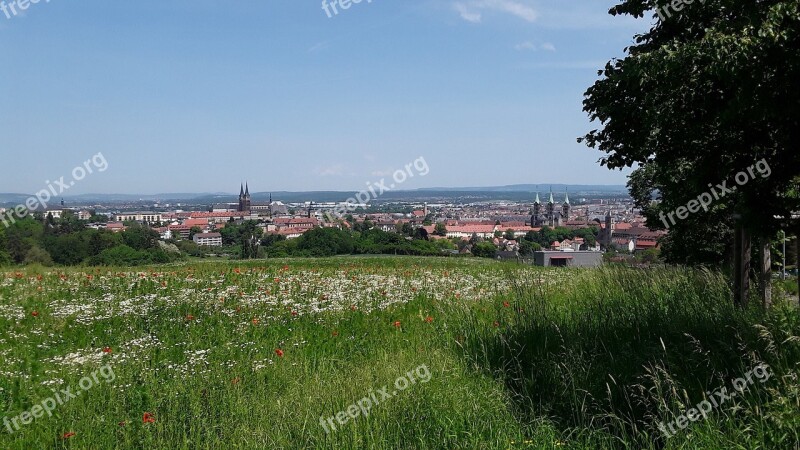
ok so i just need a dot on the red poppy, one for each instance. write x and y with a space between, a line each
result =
279 352
506 304
294 313
429 319
122 424
352 307
255 321
35 313
189 317
106 349
397 324
148 418
67 435
235 380
237 270
39 277
496 324
335 333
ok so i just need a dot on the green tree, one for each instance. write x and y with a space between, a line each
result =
139 237
704 95
527 247
325 242
484 250
68 249
21 236
440 229
194 230
5 257
38 255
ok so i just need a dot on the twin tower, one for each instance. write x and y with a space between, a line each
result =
549 216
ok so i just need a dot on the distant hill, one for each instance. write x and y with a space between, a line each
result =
516 192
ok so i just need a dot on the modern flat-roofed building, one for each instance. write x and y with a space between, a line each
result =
208 239
567 259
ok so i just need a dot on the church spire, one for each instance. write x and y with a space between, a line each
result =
551 196
247 189
241 189
566 196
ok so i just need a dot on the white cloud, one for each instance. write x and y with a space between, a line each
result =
531 46
472 11
466 13
334 170
527 45
319 46
548 46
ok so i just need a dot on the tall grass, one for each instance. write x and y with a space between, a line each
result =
519 357
608 354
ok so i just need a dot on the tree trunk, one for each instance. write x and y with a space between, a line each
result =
741 276
766 272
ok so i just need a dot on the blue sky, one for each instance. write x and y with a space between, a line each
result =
195 96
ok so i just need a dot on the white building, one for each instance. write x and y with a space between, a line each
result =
146 217
208 239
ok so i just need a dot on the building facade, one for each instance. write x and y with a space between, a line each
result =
550 214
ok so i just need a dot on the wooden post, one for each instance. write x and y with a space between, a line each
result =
747 251
741 276
737 264
766 272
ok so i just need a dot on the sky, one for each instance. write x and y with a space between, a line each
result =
198 96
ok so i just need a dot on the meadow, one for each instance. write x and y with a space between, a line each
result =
258 355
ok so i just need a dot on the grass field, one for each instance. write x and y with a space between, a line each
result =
450 353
